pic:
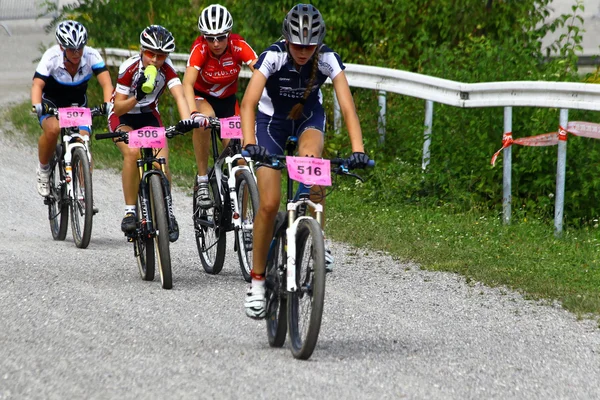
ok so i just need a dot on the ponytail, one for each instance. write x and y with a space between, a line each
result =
296 111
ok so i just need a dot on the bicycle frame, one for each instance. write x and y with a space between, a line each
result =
72 139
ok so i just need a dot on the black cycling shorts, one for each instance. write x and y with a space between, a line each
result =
226 107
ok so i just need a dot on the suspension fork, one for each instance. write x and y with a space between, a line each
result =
167 192
144 195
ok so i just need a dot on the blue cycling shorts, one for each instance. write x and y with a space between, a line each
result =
273 131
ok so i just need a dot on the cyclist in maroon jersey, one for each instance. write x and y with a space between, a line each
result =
210 82
135 109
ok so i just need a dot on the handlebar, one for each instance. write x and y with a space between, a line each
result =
95 111
123 136
278 161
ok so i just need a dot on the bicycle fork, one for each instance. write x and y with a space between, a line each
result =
290 233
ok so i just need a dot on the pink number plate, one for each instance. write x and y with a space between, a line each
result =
231 128
69 117
309 170
149 136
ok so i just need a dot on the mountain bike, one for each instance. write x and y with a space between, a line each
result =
234 194
295 270
155 219
71 176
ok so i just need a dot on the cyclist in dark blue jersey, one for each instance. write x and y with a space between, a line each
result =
61 80
286 87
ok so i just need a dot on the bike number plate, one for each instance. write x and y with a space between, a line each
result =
309 170
231 128
148 136
69 117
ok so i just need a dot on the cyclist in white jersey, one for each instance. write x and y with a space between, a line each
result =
61 80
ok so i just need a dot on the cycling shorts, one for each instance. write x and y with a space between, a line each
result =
272 132
135 121
223 108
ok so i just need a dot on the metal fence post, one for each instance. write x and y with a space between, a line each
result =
337 115
381 121
561 166
427 133
507 170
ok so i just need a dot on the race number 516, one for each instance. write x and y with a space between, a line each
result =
309 170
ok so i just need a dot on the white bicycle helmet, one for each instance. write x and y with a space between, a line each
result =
71 35
304 25
157 38
215 20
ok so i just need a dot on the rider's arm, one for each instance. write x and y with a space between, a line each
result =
248 108
37 88
123 104
182 105
106 84
344 96
189 78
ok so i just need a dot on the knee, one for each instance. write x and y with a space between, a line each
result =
268 207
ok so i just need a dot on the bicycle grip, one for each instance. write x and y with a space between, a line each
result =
108 135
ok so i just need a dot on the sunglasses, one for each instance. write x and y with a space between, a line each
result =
79 50
151 55
219 38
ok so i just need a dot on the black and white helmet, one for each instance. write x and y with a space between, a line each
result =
71 35
304 25
157 38
215 20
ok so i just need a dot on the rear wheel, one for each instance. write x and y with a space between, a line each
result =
58 207
247 198
143 247
305 305
82 201
210 237
276 288
161 238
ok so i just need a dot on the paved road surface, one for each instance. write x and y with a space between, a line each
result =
81 324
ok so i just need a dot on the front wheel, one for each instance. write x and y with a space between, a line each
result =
247 198
82 200
143 246
58 207
305 305
210 236
161 238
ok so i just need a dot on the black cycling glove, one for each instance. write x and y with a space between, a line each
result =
358 160
185 125
257 153
139 93
40 109
106 108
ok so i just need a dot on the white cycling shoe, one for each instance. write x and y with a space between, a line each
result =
256 302
43 182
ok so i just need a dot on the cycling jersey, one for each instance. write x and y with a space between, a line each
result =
285 85
61 88
129 73
218 76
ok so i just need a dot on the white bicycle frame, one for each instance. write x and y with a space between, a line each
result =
290 234
232 171
70 145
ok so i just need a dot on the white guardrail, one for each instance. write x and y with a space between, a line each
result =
561 95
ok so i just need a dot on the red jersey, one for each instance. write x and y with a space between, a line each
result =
218 76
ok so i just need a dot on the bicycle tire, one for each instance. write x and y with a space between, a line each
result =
245 182
161 238
82 200
58 207
275 286
143 248
210 237
304 326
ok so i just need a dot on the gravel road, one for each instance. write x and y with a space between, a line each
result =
81 324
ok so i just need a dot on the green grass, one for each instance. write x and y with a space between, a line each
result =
525 256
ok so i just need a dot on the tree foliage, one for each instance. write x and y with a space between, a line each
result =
462 40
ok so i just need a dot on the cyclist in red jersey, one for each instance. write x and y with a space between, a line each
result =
210 82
